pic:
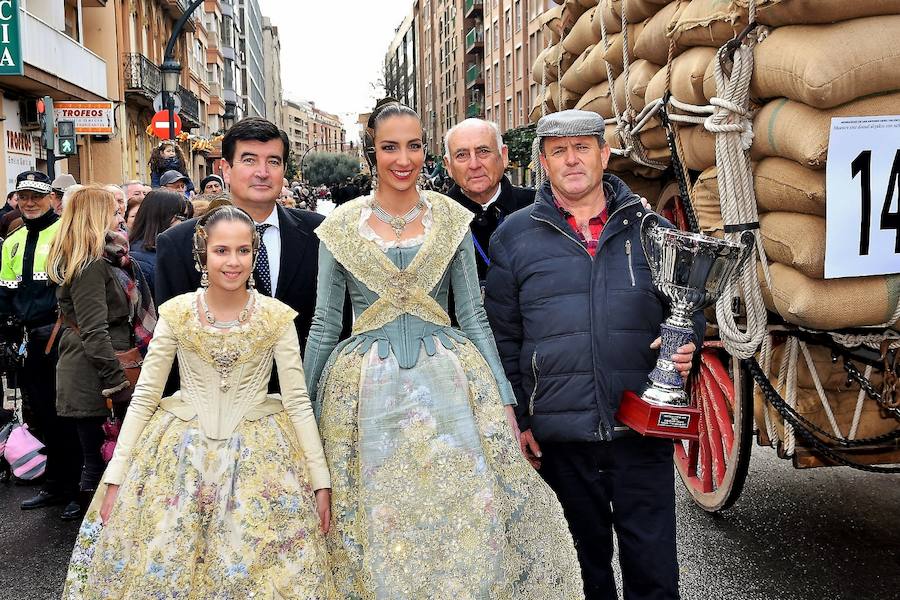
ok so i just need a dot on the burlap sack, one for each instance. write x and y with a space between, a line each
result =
795 240
588 3
556 59
619 166
645 188
612 138
613 55
776 13
708 23
699 146
639 76
783 185
571 12
652 44
829 304
568 98
551 23
549 97
598 99
582 34
687 77
832 376
641 10
588 70
654 138
607 14
705 198
829 65
799 132
709 79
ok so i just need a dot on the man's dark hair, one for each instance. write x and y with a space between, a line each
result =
10 195
254 129
155 215
600 142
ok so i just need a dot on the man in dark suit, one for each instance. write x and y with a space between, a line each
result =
255 153
476 158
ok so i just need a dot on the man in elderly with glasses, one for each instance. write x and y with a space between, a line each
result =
476 158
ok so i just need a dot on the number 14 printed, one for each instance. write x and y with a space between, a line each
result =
863 197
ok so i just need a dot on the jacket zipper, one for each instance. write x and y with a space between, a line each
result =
630 266
534 370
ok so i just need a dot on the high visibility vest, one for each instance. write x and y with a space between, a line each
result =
13 256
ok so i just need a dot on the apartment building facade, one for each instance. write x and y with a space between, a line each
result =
472 59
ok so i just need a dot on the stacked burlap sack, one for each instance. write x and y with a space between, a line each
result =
849 417
807 71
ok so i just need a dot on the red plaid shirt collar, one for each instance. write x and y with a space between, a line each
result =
595 223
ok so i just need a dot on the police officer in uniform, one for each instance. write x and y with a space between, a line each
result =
28 297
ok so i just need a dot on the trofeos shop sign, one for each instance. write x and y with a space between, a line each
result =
91 118
19 145
863 197
10 39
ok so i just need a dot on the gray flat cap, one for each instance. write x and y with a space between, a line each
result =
171 176
570 123
63 182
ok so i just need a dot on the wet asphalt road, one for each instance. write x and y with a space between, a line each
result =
793 535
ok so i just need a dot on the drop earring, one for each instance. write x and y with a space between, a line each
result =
251 283
204 278
374 181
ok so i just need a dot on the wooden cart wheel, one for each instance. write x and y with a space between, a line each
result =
714 468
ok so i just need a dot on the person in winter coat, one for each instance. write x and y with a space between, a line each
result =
160 210
576 318
105 307
168 157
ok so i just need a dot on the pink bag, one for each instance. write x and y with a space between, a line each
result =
23 453
111 428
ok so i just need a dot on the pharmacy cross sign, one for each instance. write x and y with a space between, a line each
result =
160 125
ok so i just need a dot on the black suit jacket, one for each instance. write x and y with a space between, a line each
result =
484 224
296 287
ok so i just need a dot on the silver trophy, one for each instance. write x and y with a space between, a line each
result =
692 270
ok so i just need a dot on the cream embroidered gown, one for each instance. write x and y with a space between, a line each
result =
431 496
216 482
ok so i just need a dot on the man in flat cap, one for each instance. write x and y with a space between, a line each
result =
212 184
175 181
28 299
59 187
576 317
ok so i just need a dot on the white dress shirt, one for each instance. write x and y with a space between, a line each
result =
272 239
493 199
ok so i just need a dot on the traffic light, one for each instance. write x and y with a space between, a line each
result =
67 143
48 135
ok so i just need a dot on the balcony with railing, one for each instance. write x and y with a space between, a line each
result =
190 108
176 8
475 76
475 39
475 107
143 79
473 7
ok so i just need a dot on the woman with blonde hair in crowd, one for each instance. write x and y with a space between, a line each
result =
105 308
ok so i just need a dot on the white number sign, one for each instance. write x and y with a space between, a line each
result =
863 191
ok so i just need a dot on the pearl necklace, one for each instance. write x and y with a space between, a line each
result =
242 316
398 224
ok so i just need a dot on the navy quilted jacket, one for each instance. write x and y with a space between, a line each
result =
573 331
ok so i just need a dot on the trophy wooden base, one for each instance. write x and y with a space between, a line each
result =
655 420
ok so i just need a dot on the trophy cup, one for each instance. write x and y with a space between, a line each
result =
692 270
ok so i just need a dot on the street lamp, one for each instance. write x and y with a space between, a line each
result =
171 75
229 117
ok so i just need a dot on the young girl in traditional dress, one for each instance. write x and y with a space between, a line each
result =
221 490
432 498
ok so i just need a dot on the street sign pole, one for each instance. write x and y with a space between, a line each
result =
171 106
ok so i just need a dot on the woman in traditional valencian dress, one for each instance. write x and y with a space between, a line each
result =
432 498
211 491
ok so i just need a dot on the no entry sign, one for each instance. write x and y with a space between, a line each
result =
160 124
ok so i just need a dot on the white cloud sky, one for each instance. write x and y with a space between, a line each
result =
332 50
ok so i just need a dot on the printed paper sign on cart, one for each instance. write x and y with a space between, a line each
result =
863 197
